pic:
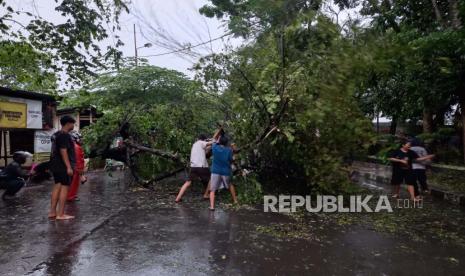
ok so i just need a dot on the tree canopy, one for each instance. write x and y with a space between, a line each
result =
71 44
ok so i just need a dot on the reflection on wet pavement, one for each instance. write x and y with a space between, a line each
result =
121 232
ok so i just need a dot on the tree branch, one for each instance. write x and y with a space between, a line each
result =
157 152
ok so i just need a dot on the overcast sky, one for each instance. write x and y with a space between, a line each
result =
179 20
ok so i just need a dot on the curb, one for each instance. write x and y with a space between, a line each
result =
453 198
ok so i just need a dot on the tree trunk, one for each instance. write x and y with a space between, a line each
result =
462 114
393 127
437 13
454 14
427 121
439 119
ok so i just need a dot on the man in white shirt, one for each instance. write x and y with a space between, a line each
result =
199 165
419 168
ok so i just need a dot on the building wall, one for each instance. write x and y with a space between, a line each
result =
75 115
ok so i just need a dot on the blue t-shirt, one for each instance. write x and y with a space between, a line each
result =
222 158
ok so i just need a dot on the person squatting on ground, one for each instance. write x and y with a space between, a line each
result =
221 170
419 168
198 165
13 176
62 163
78 174
402 172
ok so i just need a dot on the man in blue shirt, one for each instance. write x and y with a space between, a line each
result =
221 170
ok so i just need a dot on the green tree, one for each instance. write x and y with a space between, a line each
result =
165 110
291 92
432 34
73 44
21 67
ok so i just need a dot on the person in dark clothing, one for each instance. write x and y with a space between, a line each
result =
402 172
13 175
62 162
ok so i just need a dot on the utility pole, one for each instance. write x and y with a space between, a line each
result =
146 45
135 44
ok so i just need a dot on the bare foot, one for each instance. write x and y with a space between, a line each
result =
52 215
64 217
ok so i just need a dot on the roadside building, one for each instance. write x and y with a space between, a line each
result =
26 123
84 116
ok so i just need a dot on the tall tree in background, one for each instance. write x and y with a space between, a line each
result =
432 31
71 42
22 67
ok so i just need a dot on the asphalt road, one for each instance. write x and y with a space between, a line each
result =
121 230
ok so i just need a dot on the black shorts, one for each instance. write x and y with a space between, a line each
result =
402 176
62 177
199 173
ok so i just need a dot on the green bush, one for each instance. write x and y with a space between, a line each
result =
386 144
249 190
429 138
448 155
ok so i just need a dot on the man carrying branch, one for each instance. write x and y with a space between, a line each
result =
198 165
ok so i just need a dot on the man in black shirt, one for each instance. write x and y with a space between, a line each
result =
62 161
402 160
13 176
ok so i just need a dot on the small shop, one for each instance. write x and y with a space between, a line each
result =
26 123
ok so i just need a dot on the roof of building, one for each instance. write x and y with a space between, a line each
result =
67 110
4 91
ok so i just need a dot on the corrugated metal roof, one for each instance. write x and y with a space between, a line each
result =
4 91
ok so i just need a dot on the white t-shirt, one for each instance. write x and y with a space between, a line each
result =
420 165
198 155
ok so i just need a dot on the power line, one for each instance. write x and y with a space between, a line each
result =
187 48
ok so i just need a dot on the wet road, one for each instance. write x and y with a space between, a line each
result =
127 231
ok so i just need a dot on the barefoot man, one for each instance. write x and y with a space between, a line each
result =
62 162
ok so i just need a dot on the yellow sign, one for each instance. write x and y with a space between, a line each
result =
13 115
